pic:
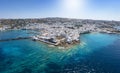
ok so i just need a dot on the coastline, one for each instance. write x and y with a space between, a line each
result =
63 34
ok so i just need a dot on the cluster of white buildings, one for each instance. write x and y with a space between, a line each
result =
51 32
2 28
69 33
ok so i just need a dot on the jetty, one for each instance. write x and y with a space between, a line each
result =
18 38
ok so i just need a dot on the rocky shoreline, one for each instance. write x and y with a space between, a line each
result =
62 32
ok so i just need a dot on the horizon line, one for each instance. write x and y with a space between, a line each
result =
61 17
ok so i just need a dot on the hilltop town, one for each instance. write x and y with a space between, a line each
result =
60 31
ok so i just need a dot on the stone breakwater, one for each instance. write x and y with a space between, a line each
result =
18 38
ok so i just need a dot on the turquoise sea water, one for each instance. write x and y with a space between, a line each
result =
97 53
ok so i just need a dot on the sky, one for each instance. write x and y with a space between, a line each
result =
79 9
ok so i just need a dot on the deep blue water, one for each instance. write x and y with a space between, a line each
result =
97 53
